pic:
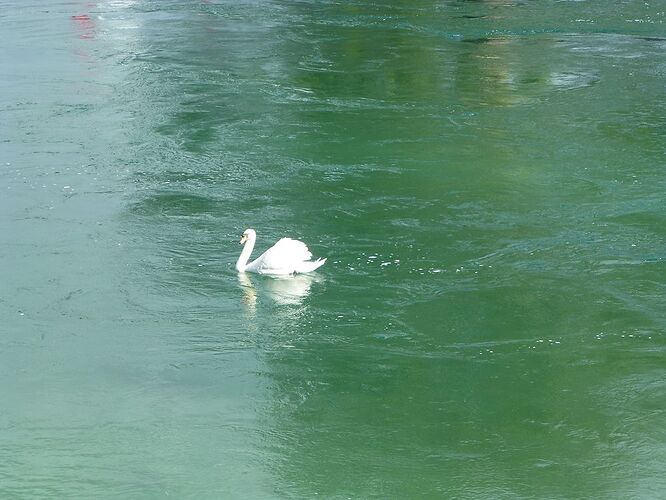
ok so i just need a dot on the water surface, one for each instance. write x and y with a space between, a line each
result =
485 178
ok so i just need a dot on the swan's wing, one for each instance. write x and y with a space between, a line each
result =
309 265
285 257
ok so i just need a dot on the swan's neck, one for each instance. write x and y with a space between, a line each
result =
241 263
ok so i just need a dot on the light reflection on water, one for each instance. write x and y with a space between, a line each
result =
283 290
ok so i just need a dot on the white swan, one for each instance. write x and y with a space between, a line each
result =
287 256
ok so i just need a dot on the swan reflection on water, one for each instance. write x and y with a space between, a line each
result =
283 290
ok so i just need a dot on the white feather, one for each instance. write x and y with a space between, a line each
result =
287 256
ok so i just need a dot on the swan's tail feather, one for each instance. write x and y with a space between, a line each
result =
308 266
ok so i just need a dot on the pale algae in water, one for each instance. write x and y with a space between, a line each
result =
486 179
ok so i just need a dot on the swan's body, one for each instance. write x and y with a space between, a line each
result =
287 256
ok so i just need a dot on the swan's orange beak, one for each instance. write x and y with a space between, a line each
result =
243 239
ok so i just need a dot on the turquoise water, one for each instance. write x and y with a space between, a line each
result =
486 180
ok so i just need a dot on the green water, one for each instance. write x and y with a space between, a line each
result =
486 179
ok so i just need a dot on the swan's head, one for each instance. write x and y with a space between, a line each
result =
249 234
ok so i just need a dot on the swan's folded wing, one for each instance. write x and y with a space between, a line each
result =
284 257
